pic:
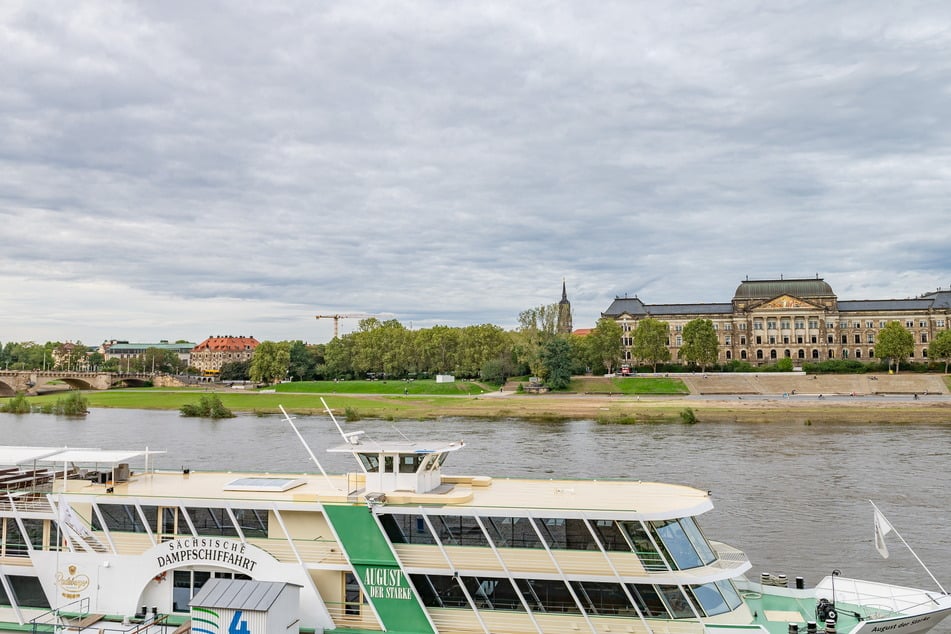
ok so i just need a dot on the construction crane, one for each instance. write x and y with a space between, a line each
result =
338 317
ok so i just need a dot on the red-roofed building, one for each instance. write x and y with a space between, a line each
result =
582 332
214 352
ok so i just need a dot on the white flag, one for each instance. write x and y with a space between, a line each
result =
882 528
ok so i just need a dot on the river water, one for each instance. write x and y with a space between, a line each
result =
794 497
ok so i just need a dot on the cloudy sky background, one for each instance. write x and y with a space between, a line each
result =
179 169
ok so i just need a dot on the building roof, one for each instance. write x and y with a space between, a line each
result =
239 594
621 305
689 309
120 347
941 298
228 344
885 304
768 289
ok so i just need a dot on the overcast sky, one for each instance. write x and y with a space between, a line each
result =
174 170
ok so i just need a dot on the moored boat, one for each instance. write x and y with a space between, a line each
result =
397 545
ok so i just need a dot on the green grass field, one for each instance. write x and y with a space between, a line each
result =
422 386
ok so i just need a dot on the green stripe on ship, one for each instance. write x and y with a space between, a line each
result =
385 584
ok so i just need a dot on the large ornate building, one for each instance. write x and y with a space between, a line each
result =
213 352
800 319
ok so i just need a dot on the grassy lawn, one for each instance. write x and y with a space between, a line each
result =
627 385
421 386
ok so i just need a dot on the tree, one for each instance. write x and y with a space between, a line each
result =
940 348
556 363
537 326
894 343
650 341
270 362
700 343
605 342
235 371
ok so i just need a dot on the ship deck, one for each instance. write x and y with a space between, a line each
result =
646 499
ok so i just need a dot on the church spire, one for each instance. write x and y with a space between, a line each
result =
564 311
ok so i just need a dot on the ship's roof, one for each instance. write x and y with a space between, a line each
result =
10 455
647 500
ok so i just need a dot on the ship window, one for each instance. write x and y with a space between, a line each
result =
710 599
610 535
27 592
125 518
493 594
567 534
677 543
253 522
549 595
14 545
208 521
185 585
676 602
512 532
458 530
409 463
729 594
698 540
602 598
371 461
439 591
645 550
406 529
648 601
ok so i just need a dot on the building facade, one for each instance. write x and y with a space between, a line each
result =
124 350
214 352
798 319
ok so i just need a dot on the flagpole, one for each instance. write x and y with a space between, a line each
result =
914 554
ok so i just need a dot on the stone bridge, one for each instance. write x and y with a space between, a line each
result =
31 382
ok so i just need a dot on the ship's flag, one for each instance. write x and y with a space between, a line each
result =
882 528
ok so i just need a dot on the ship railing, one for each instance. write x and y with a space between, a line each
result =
351 614
25 501
312 551
878 599
729 557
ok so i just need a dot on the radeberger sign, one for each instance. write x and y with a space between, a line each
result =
70 583
208 550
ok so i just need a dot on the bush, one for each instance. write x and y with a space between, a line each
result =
208 406
351 415
16 405
688 416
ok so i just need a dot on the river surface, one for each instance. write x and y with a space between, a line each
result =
794 497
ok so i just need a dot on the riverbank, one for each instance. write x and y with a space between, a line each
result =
712 398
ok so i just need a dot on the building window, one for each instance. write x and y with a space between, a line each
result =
786 353
830 325
680 340
743 354
727 340
759 339
870 337
728 326
924 338
785 338
881 324
815 353
814 324
759 354
800 324
830 339
845 338
845 353
831 353
939 323
799 339
858 353
922 324
814 339
785 324
729 355
743 340
871 353
843 324
802 353
857 324
772 354
868 324
772 340
909 324
743 325
858 338
770 325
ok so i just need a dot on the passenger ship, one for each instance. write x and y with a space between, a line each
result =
104 539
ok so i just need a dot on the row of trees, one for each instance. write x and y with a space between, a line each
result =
389 349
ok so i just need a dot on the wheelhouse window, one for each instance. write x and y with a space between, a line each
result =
684 542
